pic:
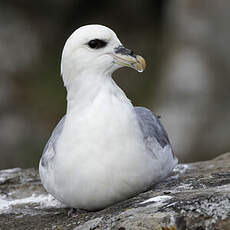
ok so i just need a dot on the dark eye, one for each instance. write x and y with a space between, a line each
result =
97 43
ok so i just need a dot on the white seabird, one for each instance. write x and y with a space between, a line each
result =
103 150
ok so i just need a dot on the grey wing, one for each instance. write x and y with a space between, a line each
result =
47 155
151 127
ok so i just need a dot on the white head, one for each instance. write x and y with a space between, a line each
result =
95 50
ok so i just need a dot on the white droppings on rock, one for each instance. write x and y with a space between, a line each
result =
158 199
13 170
181 168
223 188
37 201
49 201
7 174
184 186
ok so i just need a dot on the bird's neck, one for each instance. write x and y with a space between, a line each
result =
83 90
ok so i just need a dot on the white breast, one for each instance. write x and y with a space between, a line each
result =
100 156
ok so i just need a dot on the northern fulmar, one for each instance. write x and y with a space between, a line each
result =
104 149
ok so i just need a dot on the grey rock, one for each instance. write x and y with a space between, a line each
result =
194 196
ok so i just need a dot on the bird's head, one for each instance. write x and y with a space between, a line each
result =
95 49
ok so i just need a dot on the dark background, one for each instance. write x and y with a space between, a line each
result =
187 82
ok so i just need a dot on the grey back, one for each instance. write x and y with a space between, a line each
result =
151 126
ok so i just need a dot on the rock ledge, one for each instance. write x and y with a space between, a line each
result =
195 196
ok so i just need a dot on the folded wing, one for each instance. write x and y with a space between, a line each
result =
49 150
156 139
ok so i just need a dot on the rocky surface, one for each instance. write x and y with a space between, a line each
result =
195 196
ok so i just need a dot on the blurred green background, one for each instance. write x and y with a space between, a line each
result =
187 80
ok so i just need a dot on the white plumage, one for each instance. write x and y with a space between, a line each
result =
104 150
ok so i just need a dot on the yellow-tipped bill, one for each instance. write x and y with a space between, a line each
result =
140 64
125 57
